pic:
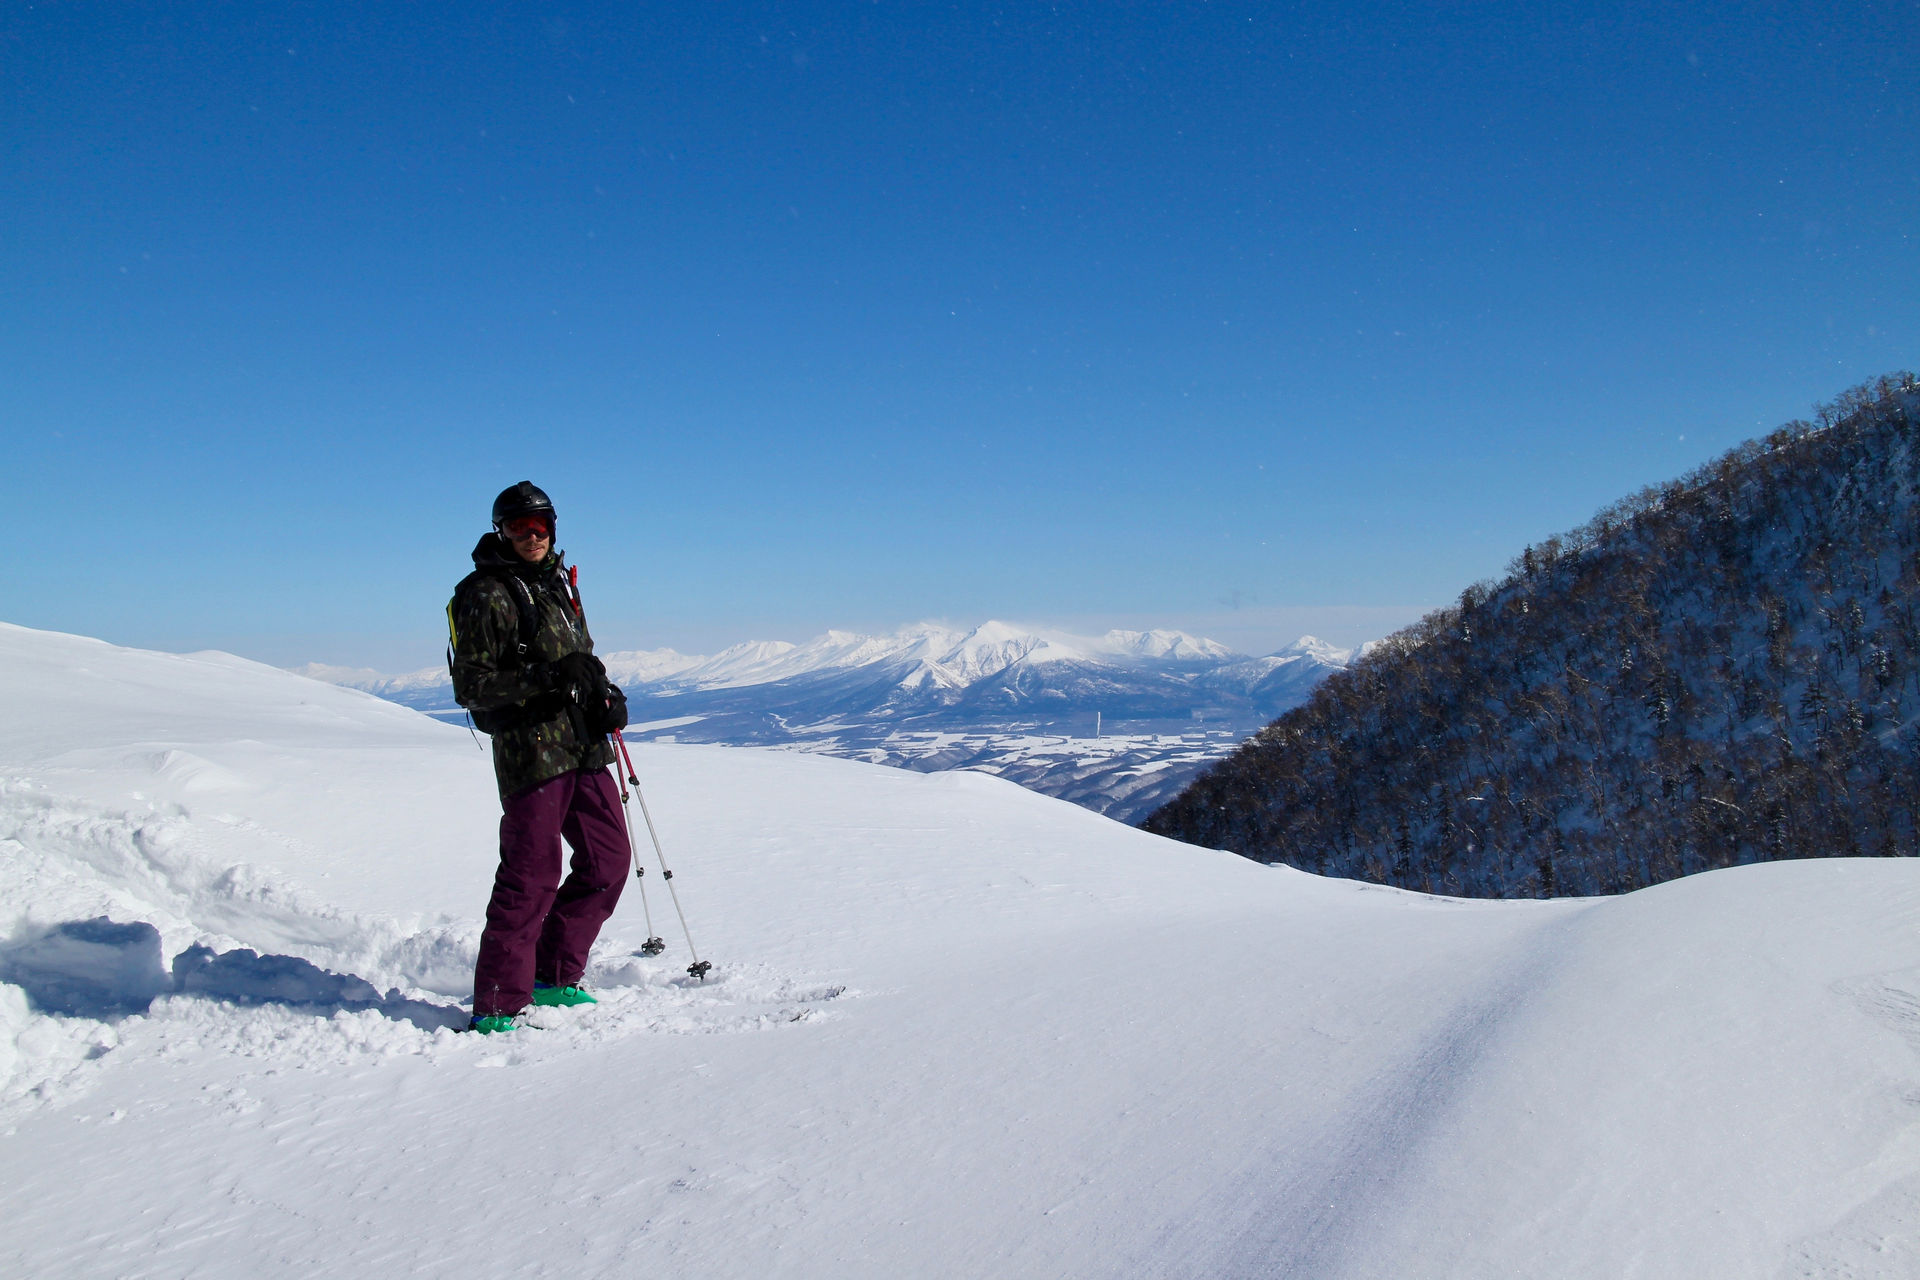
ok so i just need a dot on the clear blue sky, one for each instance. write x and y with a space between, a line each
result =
1244 318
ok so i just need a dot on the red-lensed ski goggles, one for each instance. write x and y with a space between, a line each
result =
522 527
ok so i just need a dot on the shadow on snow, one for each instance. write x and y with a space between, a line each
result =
99 969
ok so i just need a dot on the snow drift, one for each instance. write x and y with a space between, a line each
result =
955 1029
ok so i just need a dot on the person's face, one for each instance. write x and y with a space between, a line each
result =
531 537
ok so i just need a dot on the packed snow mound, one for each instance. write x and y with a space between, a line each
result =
954 1028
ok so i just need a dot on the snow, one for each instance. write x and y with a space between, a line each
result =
955 1029
671 722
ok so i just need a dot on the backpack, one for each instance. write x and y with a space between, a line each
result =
491 720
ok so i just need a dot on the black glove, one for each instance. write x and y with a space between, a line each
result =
602 706
581 677
612 713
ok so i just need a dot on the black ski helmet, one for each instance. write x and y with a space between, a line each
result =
524 499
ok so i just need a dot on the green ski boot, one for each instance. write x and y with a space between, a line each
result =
494 1022
562 997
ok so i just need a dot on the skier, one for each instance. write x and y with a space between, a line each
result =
523 666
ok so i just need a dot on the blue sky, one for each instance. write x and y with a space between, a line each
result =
1250 319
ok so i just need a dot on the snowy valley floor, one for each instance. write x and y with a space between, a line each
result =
954 1029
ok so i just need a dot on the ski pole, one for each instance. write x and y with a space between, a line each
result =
699 968
653 946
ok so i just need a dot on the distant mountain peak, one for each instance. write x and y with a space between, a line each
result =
1166 644
643 666
1314 647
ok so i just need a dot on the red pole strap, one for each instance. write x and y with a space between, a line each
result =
626 759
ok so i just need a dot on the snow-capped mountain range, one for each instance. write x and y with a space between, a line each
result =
933 656
1117 722
996 669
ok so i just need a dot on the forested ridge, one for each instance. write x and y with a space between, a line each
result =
1718 670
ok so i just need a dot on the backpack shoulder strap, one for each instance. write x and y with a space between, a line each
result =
523 602
529 615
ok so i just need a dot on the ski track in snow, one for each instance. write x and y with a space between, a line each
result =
1297 1209
56 1059
67 861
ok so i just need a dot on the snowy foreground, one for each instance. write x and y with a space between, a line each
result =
955 1029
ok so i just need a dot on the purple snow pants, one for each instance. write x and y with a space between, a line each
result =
539 929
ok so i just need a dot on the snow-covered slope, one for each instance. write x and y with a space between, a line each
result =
955 1029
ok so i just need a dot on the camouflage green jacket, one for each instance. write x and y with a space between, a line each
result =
541 740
